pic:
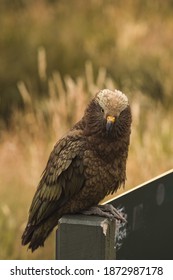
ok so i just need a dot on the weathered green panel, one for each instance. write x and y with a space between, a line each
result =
149 210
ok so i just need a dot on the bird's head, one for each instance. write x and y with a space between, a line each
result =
109 114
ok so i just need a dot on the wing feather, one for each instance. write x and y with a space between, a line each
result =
61 179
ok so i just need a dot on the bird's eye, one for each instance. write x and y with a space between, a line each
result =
102 110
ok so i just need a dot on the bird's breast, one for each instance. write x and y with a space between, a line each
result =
102 174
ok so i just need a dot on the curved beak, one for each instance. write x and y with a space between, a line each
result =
110 122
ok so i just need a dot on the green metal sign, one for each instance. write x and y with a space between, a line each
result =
149 211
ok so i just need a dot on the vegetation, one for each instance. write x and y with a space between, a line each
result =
47 78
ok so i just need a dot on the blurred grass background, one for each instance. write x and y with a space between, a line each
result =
55 55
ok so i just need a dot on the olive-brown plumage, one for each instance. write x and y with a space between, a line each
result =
85 165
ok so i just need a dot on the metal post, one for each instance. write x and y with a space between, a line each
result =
83 237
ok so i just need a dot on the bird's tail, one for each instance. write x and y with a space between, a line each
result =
35 235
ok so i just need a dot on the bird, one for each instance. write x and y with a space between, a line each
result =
85 165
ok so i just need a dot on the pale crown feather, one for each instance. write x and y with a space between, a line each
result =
114 102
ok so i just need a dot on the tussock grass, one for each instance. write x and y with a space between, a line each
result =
24 149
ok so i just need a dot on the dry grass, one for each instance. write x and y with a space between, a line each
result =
25 148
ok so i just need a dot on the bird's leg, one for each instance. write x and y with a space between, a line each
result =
106 210
113 211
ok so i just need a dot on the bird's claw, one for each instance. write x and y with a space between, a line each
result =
106 210
111 210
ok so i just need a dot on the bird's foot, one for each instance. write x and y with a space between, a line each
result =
106 210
